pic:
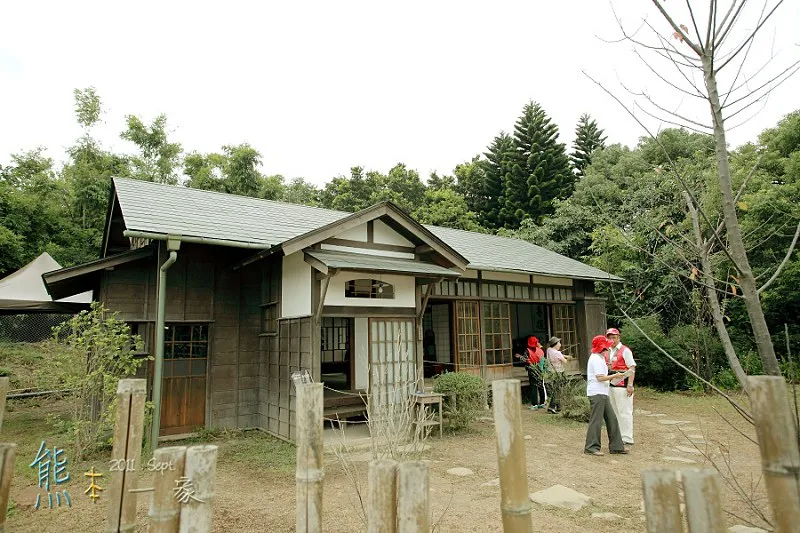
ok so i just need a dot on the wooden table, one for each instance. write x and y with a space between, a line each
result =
421 401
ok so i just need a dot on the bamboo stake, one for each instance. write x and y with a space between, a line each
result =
165 509
515 504
412 506
200 469
780 457
310 472
125 455
3 392
7 453
382 496
661 501
703 496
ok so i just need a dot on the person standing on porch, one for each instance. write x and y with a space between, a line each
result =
621 397
597 379
557 361
534 364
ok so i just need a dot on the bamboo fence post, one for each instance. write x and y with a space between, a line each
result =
310 472
515 504
165 509
7 453
703 496
777 439
382 496
662 502
125 455
3 392
412 499
200 469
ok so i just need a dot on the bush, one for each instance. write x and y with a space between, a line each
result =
652 367
467 397
571 394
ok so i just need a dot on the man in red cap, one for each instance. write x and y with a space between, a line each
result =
597 378
621 394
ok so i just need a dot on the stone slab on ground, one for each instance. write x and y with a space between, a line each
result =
561 496
493 483
672 422
527 437
656 414
641 412
606 516
680 460
746 529
413 448
688 449
460 471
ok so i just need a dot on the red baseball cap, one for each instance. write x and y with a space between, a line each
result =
600 343
612 331
533 342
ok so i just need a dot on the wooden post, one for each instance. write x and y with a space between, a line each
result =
780 457
412 500
198 489
310 472
382 496
515 504
662 502
7 453
703 496
165 509
3 392
125 455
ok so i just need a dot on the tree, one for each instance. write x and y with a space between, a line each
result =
705 54
299 191
446 208
438 183
470 184
498 162
158 157
588 138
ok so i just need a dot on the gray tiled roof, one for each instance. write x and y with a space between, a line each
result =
167 209
375 263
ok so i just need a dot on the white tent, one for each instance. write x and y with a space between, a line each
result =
24 291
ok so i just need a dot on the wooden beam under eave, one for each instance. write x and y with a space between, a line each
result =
316 264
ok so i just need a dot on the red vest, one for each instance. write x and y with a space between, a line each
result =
618 364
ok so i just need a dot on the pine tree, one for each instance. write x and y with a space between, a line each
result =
588 138
499 160
540 172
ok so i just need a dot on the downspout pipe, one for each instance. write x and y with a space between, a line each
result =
173 245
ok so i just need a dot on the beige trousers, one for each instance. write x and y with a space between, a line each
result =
623 408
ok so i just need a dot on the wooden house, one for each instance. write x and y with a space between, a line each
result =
256 289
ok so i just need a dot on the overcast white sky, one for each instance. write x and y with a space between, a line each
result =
318 87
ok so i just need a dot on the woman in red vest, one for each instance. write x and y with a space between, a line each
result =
534 363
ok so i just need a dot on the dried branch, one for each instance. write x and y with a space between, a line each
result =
678 29
694 24
751 36
662 78
783 263
726 30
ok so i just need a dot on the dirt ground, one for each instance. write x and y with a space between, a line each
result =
255 488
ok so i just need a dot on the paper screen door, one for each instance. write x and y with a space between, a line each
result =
391 357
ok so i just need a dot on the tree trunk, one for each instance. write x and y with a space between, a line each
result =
711 297
737 250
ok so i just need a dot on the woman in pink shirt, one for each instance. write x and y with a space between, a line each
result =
557 361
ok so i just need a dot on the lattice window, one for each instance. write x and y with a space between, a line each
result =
564 328
369 288
468 334
493 290
518 292
497 333
185 350
334 339
552 294
269 319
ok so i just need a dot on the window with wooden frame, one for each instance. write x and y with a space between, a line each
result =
468 334
493 290
269 319
497 333
369 288
564 328
334 339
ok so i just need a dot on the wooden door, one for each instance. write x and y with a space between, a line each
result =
468 337
183 385
391 359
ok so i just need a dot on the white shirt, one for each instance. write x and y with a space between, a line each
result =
626 354
556 359
597 365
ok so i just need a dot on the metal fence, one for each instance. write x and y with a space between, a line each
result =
34 327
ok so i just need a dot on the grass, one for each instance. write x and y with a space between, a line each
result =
29 365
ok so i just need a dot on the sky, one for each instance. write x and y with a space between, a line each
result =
319 87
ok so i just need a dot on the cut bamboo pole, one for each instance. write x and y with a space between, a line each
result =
3 392
780 457
310 472
7 453
412 506
198 489
662 503
382 496
515 504
165 509
125 455
703 495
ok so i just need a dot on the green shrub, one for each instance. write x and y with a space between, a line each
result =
574 403
652 367
467 397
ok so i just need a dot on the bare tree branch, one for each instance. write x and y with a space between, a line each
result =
678 29
751 36
783 263
750 93
694 24
726 30
670 122
662 78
